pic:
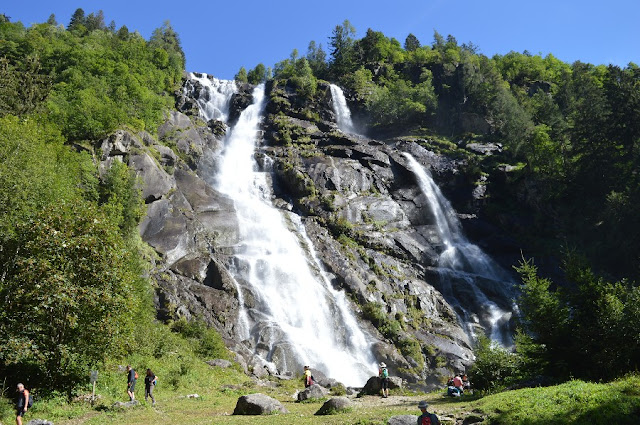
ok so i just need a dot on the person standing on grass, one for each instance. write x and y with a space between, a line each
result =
426 418
22 404
383 374
149 383
132 376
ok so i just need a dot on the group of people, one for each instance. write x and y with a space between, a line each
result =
24 399
150 381
458 384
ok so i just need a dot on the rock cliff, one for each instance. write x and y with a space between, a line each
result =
359 202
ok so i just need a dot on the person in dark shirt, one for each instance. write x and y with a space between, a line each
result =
22 403
131 383
149 384
426 418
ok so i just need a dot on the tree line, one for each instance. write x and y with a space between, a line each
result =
72 291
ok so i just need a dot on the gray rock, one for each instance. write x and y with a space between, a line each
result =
374 385
221 363
403 420
258 404
167 155
155 181
313 392
334 406
119 143
123 405
39 422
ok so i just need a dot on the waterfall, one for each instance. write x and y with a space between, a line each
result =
341 109
213 101
470 281
295 316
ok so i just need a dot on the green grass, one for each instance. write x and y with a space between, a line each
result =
180 374
574 402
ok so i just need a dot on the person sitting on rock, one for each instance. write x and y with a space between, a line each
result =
466 384
457 382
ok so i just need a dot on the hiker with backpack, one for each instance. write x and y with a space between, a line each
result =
383 374
23 403
426 418
149 384
308 377
132 377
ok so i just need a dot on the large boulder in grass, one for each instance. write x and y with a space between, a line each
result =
403 420
315 391
258 404
39 422
334 406
374 385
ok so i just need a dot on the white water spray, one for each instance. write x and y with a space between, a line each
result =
214 101
342 111
295 315
467 274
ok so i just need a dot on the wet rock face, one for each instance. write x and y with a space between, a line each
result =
361 207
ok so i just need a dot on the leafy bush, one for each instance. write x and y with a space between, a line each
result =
70 292
495 367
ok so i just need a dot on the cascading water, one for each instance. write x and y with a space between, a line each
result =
295 316
214 100
472 283
341 109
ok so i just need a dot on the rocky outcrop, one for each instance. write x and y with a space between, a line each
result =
258 404
361 207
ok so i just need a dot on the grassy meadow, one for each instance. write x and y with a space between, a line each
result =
574 402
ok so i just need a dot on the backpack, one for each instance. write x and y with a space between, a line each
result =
135 374
385 373
429 419
30 402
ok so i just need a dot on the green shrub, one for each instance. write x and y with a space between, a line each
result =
495 367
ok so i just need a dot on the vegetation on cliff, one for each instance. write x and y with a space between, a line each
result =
573 126
565 182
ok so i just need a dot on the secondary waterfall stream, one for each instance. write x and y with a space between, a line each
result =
469 279
341 109
294 315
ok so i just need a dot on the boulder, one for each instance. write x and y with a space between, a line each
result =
123 405
334 406
313 392
39 422
258 404
403 420
374 385
221 363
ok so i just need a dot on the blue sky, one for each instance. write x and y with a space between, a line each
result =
220 37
